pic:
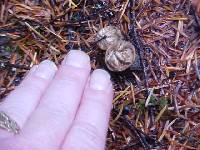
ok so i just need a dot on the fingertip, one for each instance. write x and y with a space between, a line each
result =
100 80
16 104
96 101
46 69
77 58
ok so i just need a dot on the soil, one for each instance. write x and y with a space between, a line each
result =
157 99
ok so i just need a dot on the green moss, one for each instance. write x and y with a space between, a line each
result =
163 101
153 100
13 49
9 48
141 105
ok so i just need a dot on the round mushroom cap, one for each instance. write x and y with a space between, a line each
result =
107 36
120 57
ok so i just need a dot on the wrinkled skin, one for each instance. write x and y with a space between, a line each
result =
65 108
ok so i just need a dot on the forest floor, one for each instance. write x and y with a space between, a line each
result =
157 102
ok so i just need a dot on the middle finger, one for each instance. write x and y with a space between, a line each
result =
54 115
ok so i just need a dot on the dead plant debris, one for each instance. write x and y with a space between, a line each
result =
157 100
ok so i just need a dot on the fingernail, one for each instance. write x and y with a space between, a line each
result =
77 58
46 69
100 80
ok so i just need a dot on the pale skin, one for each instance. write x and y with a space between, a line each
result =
64 108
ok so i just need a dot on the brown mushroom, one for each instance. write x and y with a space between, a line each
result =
107 36
120 56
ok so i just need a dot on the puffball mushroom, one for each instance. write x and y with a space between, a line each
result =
120 54
107 36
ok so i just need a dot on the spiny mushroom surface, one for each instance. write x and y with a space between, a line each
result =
107 36
120 57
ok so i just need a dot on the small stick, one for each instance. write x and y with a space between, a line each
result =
133 129
124 9
175 98
196 66
137 43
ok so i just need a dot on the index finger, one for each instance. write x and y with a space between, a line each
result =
90 126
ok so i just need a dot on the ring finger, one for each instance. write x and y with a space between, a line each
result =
19 105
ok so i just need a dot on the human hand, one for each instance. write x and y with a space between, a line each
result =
59 109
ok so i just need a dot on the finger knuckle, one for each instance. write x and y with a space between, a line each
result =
71 75
90 134
34 84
